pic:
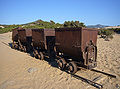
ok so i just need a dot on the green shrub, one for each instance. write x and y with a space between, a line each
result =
117 30
73 24
8 28
111 36
106 33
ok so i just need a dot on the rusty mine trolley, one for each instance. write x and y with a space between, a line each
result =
79 44
43 41
72 48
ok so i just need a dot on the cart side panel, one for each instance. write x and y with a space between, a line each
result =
37 37
28 32
48 33
68 41
89 48
88 34
22 35
15 34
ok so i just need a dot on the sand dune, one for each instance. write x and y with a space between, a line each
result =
19 70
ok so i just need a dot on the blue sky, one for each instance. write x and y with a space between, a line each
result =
90 12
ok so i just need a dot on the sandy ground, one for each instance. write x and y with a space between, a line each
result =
19 70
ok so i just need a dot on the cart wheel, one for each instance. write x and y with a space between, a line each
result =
16 46
72 67
24 49
19 48
62 64
34 54
12 46
41 56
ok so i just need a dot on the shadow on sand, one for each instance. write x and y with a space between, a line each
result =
53 63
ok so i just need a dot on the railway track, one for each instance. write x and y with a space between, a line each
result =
92 82
97 85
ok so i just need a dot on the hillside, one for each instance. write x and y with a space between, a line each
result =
42 24
97 26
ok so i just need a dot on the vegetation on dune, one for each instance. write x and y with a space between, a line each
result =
40 24
36 26
108 33
43 24
8 28
73 24
117 30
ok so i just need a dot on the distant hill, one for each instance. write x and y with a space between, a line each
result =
42 24
97 26
51 24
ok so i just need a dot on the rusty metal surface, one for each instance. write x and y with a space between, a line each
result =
39 36
73 41
28 32
88 47
87 35
48 33
15 34
68 39
22 35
